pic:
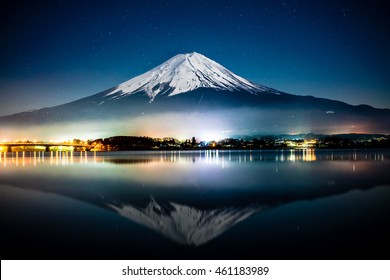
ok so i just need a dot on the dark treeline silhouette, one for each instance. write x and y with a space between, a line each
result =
342 141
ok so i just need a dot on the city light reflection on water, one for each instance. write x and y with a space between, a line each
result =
217 157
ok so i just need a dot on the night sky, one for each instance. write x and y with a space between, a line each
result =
57 51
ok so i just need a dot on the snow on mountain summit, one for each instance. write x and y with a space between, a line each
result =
183 73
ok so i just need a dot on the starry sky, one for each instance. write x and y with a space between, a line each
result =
53 52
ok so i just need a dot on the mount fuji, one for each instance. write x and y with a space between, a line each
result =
184 73
191 94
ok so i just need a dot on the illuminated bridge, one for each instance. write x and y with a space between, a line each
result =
43 147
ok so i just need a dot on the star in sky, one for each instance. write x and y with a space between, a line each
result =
56 52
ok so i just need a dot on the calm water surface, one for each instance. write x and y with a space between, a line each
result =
196 205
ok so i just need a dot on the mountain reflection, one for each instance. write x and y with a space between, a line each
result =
184 224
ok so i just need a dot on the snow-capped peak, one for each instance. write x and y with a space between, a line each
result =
183 73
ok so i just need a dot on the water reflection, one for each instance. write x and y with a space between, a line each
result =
193 197
205 156
185 224
35 157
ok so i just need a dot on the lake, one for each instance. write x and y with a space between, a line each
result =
288 204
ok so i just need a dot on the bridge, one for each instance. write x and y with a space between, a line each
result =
43 147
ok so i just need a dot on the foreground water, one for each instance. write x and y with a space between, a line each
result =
196 205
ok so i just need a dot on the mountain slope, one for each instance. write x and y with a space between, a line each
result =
188 91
